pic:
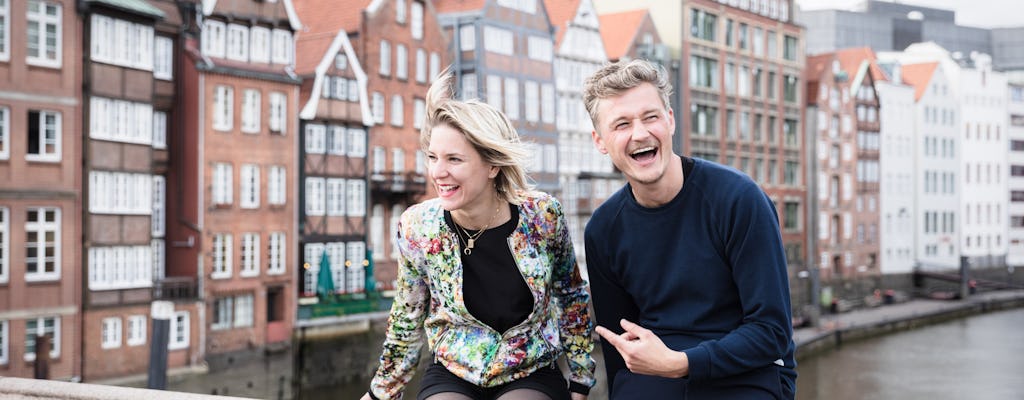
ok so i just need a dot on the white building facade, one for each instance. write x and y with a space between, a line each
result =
1015 181
896 165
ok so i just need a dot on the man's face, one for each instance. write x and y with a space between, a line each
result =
635 130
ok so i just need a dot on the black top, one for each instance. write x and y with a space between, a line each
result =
494 290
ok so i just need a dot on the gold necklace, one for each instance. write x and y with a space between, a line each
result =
471 239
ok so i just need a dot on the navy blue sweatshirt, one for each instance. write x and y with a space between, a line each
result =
706 272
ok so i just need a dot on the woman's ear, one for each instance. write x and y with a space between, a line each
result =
493 173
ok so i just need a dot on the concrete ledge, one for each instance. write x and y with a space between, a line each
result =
32 389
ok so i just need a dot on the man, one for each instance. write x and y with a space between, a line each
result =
687 258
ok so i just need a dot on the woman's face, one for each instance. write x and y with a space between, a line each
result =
462 179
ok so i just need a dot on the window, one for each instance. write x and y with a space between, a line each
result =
250 255
120 193
44 136
421 65
5 131
259 44
251 111
704 120
397 112
44 33
42 244
790 88
278 113
435 65
276 188
356 273
49 326
157 218
222 245
467 38
250 186
417 20
419 108
180 331
136 330
222 184
356 198
315 200
792 216
282 47
789 48
378 160
5 333
400 11
758 42
159 130
243 310
158 251
276 253
5 55
163 61
335 196
547 103
5 245
494 91
385 58
378 107
532 101
704 72
702 25
110 333
223 108
469 87
316 139
213 38
790 176
512 98
122 121
356 142
498 41
539 48
401 62
397 160
238 43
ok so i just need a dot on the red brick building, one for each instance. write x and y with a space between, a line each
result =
232 213
40 186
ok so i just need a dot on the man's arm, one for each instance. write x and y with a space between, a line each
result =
612 302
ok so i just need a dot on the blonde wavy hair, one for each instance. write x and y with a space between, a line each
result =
616 78
488 130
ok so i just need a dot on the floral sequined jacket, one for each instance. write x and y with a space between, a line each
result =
429 301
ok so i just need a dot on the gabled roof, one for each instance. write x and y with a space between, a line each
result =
561 13
618 31
919 76
454 6
850 61
322 16
339 45
293 20
816 67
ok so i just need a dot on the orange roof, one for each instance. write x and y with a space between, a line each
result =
322 19
618 30
816 67
309 51
919 76
451 6
850 60
561 12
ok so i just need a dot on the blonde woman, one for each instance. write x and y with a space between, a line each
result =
487 273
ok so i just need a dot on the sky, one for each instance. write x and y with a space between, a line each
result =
976 13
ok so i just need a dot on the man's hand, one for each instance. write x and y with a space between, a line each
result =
579 396
645 353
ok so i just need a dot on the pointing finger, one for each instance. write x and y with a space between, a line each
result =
633 329
609 336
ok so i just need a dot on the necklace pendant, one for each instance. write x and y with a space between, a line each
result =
469 246
468 250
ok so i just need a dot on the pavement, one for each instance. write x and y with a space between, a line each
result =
905 311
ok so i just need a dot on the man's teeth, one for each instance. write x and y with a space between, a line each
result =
641 150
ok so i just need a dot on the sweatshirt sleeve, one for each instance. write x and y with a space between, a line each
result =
570 293
404 336
753 246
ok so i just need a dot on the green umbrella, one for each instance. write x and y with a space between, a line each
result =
324 280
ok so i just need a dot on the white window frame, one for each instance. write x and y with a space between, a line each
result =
180 331
249 187
335 197
401 62
276 185
416 25
397 111
41 330
316 139
419 109
244 310
499 40
531 96
120 193
435 65
159 130
315 196
41 228
136 330
469 86
421 65
356 142
282 47
512 98
276 252
356 197
223 107
259 44
43 129
163 58
547 103
5 131
396 216
158 252
251 104
214 38
157 217
121 121
221 187
385 58
377 232
278 119
540 48
356 274
467 37
377 106
400 11
42 21
250 255
5 340
238 43
5 245
494 89
397 160
222 258
110 333
336 140
5 55
120 267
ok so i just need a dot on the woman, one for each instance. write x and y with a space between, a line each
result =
486 271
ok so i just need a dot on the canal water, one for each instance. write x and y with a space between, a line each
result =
977 358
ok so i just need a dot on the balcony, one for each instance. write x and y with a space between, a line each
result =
398 183
175 288
343 304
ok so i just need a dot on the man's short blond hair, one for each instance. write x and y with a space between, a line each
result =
616 78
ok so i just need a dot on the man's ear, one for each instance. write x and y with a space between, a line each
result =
598 142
